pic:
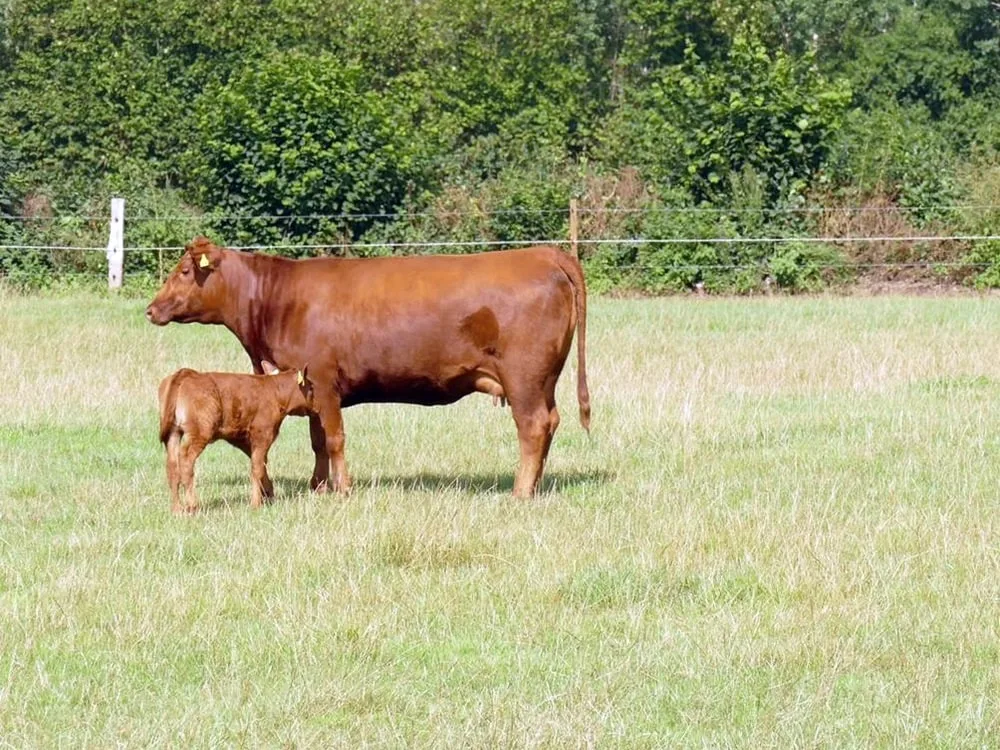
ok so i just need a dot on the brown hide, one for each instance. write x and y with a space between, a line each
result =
198 408
421 330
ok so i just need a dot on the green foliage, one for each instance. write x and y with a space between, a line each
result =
806 267
698 122
899 151
984 222
10 230
492 61
523 203
986 259
919 61
479 120
305 136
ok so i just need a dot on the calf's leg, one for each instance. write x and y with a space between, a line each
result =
267 488
260 483
189 454
174 470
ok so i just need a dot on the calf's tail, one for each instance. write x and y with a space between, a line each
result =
168 406
571 267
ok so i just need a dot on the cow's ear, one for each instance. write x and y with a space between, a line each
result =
304 375
268 368
204 253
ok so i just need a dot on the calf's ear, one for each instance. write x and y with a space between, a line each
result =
268 368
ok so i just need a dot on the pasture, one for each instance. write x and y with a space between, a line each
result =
783 532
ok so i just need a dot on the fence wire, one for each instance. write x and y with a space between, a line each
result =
594 210
633 241
483 244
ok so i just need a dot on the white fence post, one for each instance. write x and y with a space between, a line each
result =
116 243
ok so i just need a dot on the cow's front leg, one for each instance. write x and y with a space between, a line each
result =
320 481
333 426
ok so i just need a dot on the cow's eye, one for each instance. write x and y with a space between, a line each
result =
185 272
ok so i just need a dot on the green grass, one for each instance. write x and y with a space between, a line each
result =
783 533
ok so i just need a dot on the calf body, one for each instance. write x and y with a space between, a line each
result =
423 330
198 408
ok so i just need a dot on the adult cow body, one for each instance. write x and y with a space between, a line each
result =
420 330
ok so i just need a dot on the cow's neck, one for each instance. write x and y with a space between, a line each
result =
244 311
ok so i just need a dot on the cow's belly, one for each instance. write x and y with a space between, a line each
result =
420 391
445 387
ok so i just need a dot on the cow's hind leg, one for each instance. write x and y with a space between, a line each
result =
531 415
320 481
550 403
333 427
533 434
537 419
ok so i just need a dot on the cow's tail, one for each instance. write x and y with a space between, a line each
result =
571 267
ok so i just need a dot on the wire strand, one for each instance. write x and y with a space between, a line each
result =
792 210
833 240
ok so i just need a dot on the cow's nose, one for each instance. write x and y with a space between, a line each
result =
149 313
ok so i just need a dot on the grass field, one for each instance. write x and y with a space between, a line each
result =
783 533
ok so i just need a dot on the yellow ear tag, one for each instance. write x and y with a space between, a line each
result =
203 263
300 378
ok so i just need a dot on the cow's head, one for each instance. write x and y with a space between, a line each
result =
195 291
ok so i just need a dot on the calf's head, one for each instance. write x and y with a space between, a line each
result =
296 387
195 291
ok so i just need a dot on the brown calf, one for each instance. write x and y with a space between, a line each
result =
198 408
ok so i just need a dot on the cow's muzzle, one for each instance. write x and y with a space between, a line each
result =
155 317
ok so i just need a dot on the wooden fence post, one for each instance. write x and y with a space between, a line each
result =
116 243
574 227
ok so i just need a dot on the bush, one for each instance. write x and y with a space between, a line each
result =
696 124
303 136
806 267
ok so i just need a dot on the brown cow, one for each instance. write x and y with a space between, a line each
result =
420 330
198 408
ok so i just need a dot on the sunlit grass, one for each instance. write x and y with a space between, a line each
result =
783 532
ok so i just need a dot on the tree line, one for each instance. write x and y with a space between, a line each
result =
428 120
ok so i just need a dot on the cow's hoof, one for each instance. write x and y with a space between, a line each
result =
319 486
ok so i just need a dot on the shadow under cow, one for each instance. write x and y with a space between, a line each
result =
235 488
